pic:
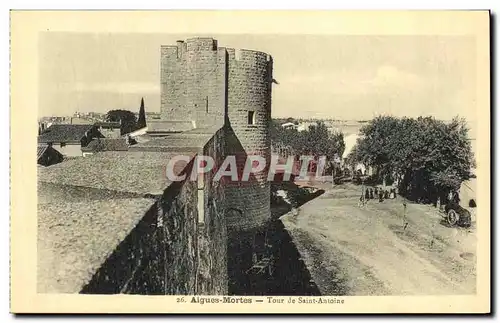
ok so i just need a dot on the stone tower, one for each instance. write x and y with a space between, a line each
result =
215 86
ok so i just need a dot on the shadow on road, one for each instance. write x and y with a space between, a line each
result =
291 276
288 276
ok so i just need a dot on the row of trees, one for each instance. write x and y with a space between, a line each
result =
315 141
127 119
427 157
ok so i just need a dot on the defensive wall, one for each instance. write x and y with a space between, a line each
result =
112 223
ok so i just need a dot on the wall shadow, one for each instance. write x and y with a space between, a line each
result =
288 274
139 264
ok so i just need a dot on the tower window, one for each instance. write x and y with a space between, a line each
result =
251 117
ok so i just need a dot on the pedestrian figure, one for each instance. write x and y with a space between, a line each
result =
405 224
371 193
380 196
361 202
386 194
376 191
367 194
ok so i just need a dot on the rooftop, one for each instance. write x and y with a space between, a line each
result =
64 133
185 142
106 144
108 124
169 126
136 172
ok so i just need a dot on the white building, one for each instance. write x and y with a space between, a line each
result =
289 125
350 142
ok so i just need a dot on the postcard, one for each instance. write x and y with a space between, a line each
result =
250 162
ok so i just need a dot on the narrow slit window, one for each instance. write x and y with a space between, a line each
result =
251 117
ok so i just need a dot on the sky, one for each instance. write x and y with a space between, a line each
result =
321 76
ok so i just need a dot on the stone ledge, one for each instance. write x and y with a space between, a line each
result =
75 238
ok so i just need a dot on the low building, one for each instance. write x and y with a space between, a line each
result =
80 120
105 144
69 139
350 142
304 126
289 125
109 129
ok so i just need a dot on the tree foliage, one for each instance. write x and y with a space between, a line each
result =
125 117
141 122
316 141
426 155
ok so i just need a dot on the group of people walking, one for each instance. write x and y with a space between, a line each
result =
371 194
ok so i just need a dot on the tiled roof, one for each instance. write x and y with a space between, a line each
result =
142 169
111 124
68 133
106 144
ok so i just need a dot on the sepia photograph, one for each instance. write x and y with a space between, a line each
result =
257 169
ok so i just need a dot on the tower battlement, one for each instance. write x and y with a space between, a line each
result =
247 55
201 44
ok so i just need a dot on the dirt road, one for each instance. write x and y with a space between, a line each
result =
351 250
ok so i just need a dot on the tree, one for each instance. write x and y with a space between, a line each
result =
429 157
126 118
141 122
316 141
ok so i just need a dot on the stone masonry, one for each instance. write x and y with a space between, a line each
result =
211 85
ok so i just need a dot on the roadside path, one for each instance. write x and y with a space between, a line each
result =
365 251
